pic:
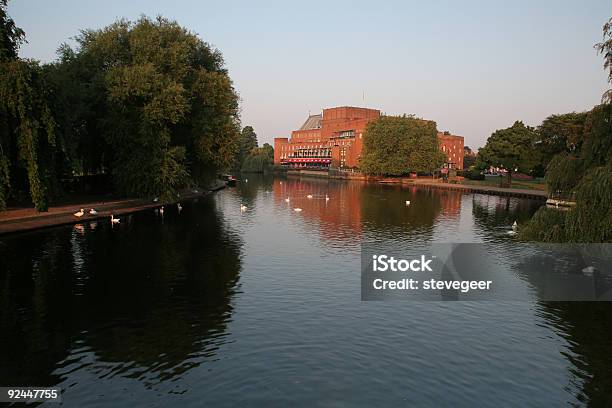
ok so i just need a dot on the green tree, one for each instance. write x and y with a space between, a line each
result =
78 99
511 148
398 145
260 160
169 112
469 157
27 127
559 134
248 142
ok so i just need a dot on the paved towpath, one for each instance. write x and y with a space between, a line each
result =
27 219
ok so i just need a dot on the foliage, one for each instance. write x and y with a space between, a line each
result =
511 148
269 151
469 160
398 145
591 220
563 173
546 225
474 174
605 48
587 172
248 142
27 128
11 36
560 133
260 160
77 94
168 109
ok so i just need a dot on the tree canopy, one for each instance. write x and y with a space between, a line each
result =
512 148
248 142
147 102
170 108
27 128
398 145
260 160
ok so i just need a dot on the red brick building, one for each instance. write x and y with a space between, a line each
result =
335 138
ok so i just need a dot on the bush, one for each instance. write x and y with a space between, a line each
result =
471 174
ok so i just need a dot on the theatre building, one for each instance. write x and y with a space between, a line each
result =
335 139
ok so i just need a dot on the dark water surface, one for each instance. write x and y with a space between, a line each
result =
218 307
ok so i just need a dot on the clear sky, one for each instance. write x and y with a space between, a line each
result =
473 67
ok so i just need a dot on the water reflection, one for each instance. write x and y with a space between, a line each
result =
585 326
143 300
262 306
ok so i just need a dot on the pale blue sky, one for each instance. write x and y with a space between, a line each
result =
472 66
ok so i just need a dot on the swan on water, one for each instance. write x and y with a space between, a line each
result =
287 199
79 213
514 226
407 202
326 197
114 220
297 209
179 207
309 196
243 207
161 210
93 211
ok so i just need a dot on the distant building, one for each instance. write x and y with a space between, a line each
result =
335 139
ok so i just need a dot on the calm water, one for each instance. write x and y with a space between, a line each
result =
214 307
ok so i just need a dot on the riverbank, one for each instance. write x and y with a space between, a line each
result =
28 219
426 183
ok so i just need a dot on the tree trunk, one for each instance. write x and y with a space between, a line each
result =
509 178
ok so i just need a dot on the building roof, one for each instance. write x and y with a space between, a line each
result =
313 122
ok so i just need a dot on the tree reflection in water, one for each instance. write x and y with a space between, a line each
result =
586 326
149 299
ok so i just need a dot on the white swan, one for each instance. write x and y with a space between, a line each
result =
156 199
514 226
179 207
309 196
161 210
407 202
114 220
297 209
326 197
287 199
79 213
243 207
92 211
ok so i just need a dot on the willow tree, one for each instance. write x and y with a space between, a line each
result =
170 111
27 128
605 48
398 145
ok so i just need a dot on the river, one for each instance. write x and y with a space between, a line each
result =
214 306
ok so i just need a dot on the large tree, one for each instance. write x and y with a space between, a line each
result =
169 111
398 145
27 128
512 148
